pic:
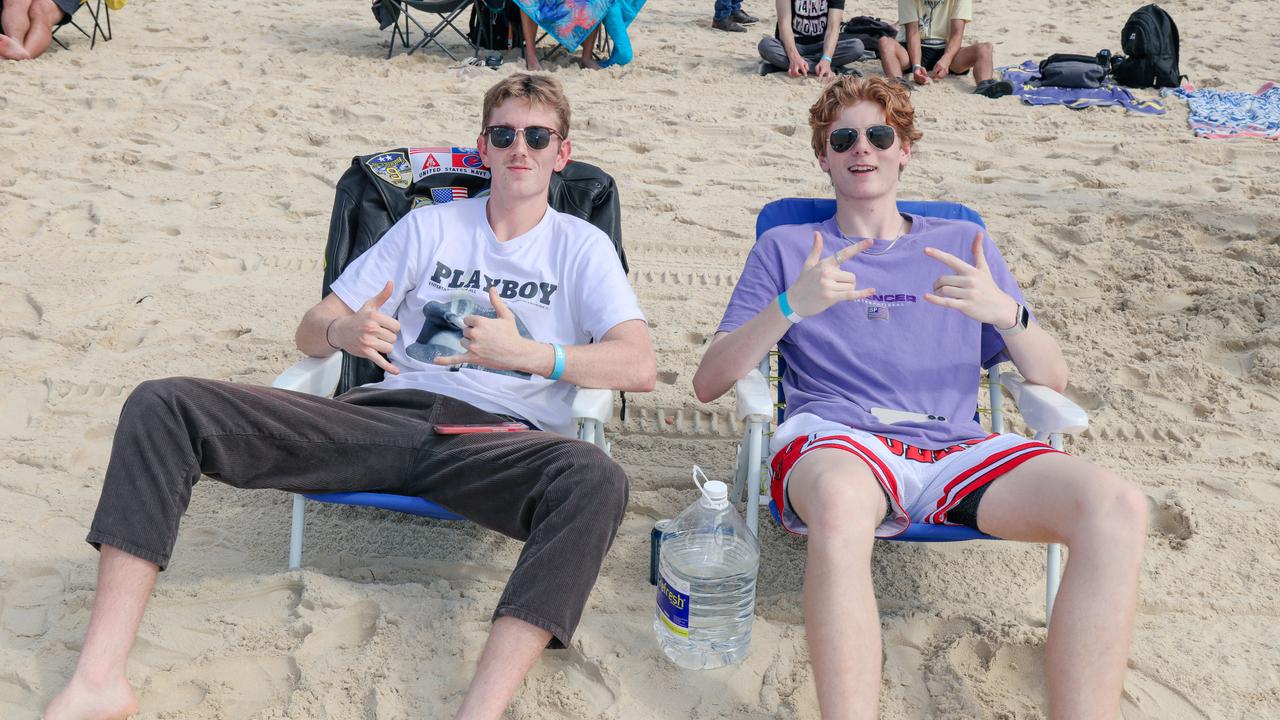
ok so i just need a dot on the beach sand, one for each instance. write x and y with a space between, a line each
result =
164 203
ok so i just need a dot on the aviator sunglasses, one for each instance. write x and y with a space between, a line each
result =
535 136
880 136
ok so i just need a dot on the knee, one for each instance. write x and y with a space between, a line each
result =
152 396
1114 509
839 506
598 481
984 50
886 46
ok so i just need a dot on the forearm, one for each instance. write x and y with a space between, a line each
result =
732 355
913 43
625 364
955 39
1037 356
313 331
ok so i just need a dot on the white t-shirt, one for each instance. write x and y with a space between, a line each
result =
935 18
562 280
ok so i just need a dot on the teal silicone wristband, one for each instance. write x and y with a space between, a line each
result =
558 369
785 307
827 58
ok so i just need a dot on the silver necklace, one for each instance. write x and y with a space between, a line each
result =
902 232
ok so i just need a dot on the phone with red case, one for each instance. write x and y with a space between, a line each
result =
481 428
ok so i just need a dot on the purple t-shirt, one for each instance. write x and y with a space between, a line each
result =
894 350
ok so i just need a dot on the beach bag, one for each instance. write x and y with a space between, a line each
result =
1150 40
1072 71
493 27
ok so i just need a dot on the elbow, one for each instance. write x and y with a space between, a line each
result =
647 378
703 388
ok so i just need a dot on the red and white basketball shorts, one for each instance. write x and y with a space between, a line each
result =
922 485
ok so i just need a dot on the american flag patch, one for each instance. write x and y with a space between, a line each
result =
448 194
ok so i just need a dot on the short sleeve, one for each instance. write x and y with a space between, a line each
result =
835 5
963 10
602 294
389 259
993 347
908 12
758 285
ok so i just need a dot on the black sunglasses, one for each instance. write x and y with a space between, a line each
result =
880 136
536 137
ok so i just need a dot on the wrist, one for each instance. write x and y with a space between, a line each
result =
327 330
918 68
784 306
557 362
826 59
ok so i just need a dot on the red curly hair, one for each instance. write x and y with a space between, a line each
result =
847 91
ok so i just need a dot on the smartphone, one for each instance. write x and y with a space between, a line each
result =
481 428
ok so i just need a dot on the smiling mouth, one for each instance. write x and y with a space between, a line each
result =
862 169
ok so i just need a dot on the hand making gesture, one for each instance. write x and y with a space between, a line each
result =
492 342
822 283
368 333
972 290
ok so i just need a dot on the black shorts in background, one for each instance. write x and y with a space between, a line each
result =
930 55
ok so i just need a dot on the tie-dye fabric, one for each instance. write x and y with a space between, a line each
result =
1216 114
568 21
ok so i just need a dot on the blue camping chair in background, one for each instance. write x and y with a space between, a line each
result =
375 192
1049 414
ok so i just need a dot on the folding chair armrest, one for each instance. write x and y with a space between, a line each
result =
593 404
1045 410
753 399
313 376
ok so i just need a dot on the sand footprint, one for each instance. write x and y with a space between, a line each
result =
1146 698
26 612
576 674
352 627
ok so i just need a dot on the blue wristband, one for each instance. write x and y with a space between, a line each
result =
785 307
558 369
827 58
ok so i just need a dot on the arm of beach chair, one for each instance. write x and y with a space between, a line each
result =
313 376
1045 410
753 397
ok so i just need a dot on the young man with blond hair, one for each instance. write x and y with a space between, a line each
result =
930 43
520 356
885 319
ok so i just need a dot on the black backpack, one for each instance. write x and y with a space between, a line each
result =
495 25
1150 41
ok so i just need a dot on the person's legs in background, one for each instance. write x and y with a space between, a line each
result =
530 29
15 22
724 17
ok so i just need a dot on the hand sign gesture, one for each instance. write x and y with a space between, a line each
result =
822 283
368 333
972 290
492 342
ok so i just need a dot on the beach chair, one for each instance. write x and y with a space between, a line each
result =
1048 413
100 12
375 192
445 10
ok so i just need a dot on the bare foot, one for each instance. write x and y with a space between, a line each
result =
589 62
83 700
11 49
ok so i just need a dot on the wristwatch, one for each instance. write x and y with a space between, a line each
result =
1023 318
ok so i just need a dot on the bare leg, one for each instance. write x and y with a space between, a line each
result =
530 29
835 494
977 56
99 689
15 18
512 649
893 58
11 49
1103 521
44 15
588 46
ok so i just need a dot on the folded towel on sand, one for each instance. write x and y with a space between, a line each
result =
1026 85
1216 114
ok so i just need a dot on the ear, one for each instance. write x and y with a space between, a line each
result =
822 162
905 157
562 155
482 146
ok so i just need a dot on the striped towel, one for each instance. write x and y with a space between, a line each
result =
1215 114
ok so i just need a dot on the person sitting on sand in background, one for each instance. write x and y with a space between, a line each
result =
885 320
518 356
930 44
807 39
26 26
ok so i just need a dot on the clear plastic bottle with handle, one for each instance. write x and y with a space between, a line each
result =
707 566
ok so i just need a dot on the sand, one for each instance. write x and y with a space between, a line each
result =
164 203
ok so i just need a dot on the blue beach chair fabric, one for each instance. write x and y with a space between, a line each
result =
1049 413
375 192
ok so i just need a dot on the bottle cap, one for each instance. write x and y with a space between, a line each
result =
715 491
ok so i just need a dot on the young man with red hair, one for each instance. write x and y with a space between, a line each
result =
885 320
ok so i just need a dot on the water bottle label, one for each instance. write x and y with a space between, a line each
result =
673 604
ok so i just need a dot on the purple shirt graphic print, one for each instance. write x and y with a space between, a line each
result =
894 350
